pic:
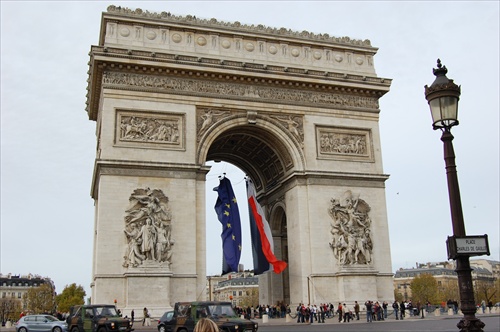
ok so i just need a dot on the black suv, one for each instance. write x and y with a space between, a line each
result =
186 314
97 318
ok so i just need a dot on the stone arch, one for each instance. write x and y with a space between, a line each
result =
305 128
249 147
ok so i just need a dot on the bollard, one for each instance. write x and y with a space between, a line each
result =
288 318
265 318
437 312
450 312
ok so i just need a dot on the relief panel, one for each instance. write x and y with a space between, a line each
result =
152 130
344 143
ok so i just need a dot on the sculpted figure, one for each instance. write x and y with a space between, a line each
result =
148 228
163 244
148 236
208 120
292 125
350 229
133 255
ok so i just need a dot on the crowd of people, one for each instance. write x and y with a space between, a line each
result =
311 313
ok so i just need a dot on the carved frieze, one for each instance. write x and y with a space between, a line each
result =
225 90
350 230
344 143
156 129
148 230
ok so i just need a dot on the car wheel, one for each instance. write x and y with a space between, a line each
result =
22 329
162 328
57 329
75 329
101 329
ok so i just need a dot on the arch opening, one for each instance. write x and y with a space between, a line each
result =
252 151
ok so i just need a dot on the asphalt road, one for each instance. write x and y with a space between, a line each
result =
414 325
439 324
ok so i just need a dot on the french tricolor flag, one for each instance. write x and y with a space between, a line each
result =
262 238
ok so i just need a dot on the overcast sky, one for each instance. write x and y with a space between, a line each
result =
48 144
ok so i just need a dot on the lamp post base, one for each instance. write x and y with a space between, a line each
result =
472 325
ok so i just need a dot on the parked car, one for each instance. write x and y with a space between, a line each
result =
186 314
97 318
40 323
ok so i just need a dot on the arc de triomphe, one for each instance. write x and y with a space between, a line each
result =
297 111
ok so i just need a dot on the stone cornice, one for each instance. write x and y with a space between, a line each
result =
147 63
144 169
328 179
193 22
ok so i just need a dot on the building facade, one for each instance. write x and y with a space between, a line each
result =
484 271
16 286
242 289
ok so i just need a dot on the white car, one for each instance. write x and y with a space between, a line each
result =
41 323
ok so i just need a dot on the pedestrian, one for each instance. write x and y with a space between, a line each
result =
206 325
356 309
369 306
145 320
402 308
395 306
347 313
132 315
483 305
384 306
340 311
322 314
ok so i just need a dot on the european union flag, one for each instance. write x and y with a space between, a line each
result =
227 211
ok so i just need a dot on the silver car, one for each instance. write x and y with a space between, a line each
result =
41 323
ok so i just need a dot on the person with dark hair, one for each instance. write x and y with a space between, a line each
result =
369 306
356 309
395 306
340 311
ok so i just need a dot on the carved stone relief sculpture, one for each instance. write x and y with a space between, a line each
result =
200 87
148 228
145 129
207 118
350 230
293 124
344 143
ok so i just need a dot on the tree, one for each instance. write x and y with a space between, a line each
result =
10 309
251 299
398 296
484 290
449 291
70 296
424 289
40 299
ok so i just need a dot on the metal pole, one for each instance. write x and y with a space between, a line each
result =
469 323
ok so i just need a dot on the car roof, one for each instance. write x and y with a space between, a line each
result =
97 305
204 303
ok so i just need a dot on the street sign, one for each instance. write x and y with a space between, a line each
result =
474 245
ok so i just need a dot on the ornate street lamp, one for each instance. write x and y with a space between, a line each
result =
443 96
